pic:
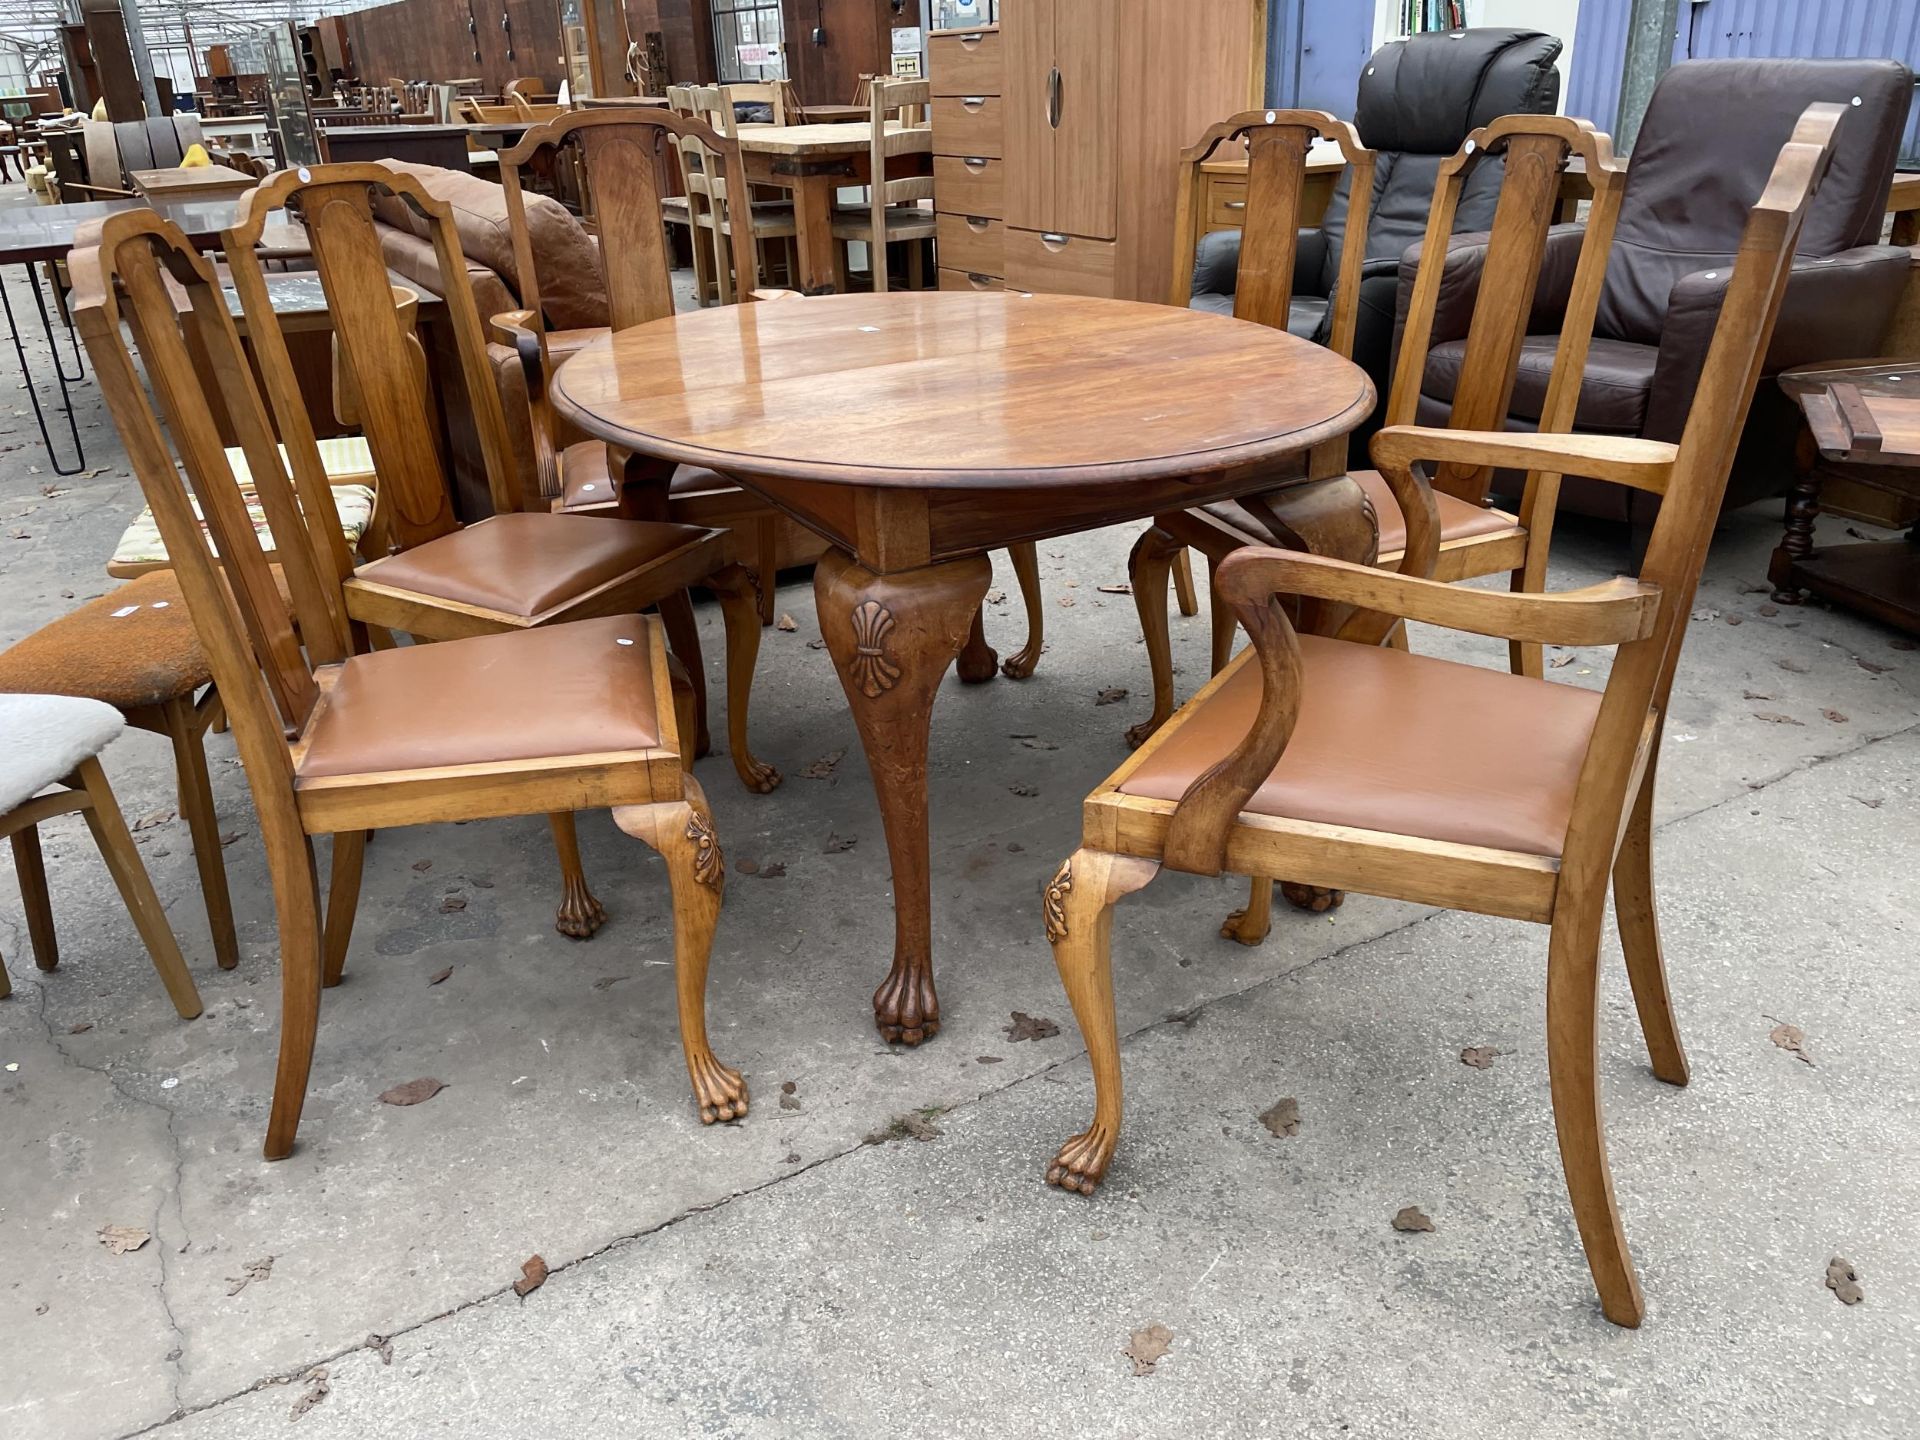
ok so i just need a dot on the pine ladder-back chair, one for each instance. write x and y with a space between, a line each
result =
515 570
333 743
1350 763
894 214
616 151
1475 539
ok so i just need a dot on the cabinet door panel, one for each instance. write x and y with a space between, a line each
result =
1086 160
1027 49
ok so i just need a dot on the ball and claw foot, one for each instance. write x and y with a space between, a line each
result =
579 914
720 1092
1138 735
905 1009
1247 932
1020 665
1082 1162
759 777
1316 898
977 666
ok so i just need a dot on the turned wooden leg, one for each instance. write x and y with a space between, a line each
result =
1639 920
1183 583
1573 1064
1147 569
978 663
110 833
1026 569
739 609
343 900
1079 905
683 639
184 730
1250 925
683 834
1803 509
32 870
579 914
892 638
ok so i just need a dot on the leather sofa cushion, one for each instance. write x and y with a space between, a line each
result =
1399 743
1613 391
579 689
572 291
527 563
1305 313
1428 92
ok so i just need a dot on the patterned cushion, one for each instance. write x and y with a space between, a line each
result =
141 549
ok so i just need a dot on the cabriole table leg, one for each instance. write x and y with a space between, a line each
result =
892 638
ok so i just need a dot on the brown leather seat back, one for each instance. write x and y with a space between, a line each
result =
1711 135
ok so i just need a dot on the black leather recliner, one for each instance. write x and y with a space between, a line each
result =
1419 99
1712 131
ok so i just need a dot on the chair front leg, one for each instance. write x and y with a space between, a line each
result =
579 915
1147 570
697 870
1079 905
110 833
186 732
739 611
32 870
1183 583
343 900
1634 908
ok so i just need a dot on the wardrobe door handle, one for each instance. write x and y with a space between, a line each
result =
1053 97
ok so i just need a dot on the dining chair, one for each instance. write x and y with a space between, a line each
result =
515 722
773 216
1476 538
898 210
515 570
134 648
615 151
1349 763
49 765
774 94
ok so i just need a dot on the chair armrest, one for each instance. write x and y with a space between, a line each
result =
523 400
1840 304
1253 579
519 331
1623 459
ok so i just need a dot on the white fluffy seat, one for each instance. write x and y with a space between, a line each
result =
43 737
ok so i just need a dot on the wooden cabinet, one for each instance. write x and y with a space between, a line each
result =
1066 122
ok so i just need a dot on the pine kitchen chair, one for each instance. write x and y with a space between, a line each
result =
1344 762
514 571
525 722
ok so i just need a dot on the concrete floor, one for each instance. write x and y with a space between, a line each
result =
783 1277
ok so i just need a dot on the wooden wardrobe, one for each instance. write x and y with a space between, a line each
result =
1056 135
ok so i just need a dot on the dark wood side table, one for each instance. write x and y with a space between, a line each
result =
1864 414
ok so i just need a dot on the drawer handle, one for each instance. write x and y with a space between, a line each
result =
973 102
971 39
974 162
978 281
1053 241
1236 204
978 224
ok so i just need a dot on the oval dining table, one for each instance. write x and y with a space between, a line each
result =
918 430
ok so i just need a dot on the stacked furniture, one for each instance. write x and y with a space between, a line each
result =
1056 134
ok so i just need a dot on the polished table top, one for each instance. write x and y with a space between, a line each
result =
45 232
954 389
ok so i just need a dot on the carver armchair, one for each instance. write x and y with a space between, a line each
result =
1344 763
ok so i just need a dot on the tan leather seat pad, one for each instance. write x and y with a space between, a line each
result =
1459 519
1404 744
145 656
584 479
527 563
530 694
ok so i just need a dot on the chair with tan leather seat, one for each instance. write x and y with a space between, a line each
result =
524 722
1475 538
1343 762
516 570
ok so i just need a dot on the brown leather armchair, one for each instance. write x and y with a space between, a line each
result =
1709 140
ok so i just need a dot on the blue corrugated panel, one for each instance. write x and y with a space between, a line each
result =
1717 28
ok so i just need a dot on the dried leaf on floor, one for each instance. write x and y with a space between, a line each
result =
1024 789
996 596
1769 611
1560 662
1480 1057
823 767
839 844
317 1390
747 867
1066 600
1774 717
228 837
1873 802
452 904
917 1125
607 982
772 870
789 1095
1796 667
381 1346
1147 1348
81 1028
1731 619
1871 667
423 865
152 818
988 1059
816 644
1282 1118
1901 642
439 975
1756 695
1123 588
1843 1282
123 1239
1792 1039
1835 716
786 622
1031 1027
251 1271
413 1092
1112 696
1412 1219
533 1274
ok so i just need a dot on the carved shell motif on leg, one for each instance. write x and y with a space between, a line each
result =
709 865
1056 903
871 670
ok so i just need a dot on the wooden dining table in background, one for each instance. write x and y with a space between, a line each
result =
812 162
919 430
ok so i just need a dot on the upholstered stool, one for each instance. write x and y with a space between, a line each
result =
51 744
135 649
